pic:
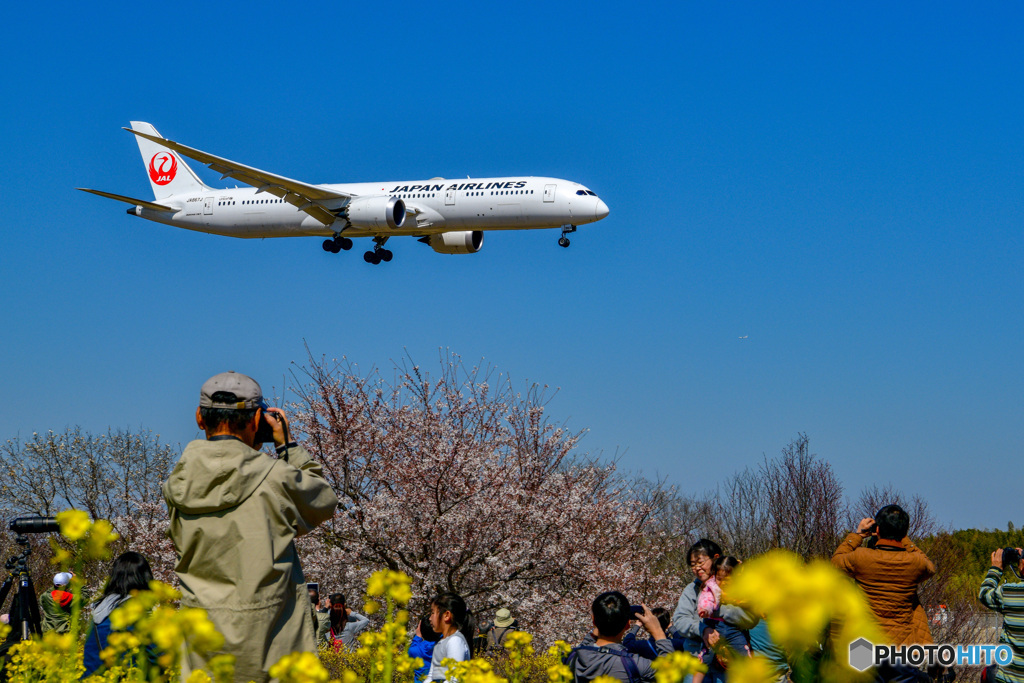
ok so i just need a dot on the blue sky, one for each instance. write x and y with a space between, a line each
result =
841 184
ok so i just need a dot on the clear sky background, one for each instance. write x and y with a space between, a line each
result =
815 224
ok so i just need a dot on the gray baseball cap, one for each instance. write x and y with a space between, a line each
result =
247 392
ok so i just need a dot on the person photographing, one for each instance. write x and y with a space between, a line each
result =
234 515
341 626
1007 599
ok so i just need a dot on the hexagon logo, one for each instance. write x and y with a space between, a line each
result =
860 654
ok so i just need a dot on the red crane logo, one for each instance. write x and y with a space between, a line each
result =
162 168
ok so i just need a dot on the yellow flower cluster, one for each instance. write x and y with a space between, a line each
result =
803 604
674 667
151 618
394 587
518 645
54 657
560 649
299 667
559 673
91 538
751 670
471 671
384 653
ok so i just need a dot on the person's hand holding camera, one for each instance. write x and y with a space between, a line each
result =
1008 556
278 422
651 623
866 527
997 558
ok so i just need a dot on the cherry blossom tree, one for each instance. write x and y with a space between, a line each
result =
115 476
466 485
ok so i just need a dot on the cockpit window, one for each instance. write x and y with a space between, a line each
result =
591 193
581 192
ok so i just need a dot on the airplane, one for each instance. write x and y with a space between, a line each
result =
450 216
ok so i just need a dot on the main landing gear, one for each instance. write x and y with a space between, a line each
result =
379 253
337 244
563 241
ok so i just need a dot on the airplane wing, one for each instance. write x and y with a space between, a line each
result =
131 200
304 196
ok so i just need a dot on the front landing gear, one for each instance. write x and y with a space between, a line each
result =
337 244
379 253
563 241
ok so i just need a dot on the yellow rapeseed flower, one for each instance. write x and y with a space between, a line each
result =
751 670
164 592
127 614
559 673
223 668
74 524
101 535
375 585
198 676
560 649
299 667
674 667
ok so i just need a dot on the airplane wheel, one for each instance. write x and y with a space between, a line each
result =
328 245
368 256
386 255
335 247
345 243
563 241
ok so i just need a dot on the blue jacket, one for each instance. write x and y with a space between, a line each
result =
424 649
99 630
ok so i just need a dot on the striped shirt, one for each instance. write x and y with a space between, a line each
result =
1008 600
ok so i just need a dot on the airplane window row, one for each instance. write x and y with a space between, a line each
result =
585 192
264 201
225 203
466 194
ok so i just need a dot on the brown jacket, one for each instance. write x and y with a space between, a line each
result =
235 514
889 575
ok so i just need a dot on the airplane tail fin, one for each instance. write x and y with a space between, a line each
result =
168 173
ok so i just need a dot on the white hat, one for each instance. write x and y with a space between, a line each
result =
62 579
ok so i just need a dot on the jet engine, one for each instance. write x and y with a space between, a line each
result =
376 213
462 242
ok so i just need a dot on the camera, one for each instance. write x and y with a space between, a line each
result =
265 431
1011 558
636 610
34 525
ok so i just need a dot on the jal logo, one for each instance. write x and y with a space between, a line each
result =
162 168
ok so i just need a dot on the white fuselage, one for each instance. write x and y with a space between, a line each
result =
435 206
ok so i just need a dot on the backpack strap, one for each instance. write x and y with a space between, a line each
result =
628 663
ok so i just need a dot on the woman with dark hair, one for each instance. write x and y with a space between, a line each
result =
686 622
450 617
130 572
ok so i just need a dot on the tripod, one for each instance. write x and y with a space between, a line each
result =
24 606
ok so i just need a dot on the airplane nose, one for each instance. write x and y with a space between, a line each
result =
601 210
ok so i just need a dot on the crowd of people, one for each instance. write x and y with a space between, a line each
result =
235 514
